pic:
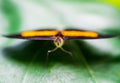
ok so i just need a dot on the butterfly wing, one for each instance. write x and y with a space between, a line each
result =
35 35
71 34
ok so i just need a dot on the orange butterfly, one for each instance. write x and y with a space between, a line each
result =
58 36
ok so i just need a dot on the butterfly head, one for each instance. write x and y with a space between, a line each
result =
58 41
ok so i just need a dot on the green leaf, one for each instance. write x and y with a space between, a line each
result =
93 61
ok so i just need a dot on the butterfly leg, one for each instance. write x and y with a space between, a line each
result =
69 54
48 53
66 51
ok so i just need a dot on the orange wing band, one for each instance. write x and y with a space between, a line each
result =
38 33
80 34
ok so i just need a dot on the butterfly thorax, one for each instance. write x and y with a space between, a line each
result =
58 41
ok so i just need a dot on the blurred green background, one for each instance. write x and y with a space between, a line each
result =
23 61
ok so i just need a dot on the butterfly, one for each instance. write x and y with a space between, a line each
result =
58 36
